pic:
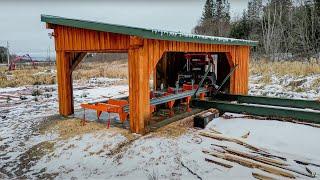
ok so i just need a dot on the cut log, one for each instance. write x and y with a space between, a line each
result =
251 163
230 139
262 177
219 163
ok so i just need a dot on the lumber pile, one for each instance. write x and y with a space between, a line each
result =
254 157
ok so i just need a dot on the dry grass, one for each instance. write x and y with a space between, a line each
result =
294 68
115 69
85 71
26 77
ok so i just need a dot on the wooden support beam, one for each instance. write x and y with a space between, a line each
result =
139 91
77 59
64 76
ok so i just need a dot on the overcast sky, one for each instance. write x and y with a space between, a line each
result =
20 20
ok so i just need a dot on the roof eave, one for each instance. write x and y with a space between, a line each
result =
144 33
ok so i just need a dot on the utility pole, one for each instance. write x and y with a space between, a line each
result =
8 54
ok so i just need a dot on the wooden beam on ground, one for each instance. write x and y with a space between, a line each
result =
251 163
222 137
262 177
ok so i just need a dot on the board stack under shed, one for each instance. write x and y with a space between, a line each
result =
202 120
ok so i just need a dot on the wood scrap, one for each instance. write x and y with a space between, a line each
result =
306 163
251 163
269 161
262 177
245 136
183 165
255 157
270 155
310 172
214 131
219 163
222 137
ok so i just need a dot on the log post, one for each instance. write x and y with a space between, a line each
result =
64 77
139 100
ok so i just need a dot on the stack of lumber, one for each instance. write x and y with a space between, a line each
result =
255 158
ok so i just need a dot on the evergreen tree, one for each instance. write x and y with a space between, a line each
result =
207 11
241 29
215 19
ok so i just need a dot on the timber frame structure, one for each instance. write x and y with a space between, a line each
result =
145 47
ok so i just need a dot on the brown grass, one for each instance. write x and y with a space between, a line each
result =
294 68
26 77
85 71
115 69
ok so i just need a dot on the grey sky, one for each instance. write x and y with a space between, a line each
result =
20 20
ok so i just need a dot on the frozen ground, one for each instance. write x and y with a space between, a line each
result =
285 87
113 154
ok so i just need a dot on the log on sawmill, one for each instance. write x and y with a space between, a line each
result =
251 163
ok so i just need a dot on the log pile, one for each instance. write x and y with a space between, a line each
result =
255 157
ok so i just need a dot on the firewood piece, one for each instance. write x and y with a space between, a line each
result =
219 163
261 177
251 163
230 139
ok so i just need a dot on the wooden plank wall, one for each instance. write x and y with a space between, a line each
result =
143 55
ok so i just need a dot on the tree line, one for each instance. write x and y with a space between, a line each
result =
284 28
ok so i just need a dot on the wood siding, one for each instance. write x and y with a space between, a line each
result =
143 56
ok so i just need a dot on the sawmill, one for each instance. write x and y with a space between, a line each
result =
189 73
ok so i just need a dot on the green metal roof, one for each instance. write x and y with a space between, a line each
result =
144 32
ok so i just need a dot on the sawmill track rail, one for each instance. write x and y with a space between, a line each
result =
300 110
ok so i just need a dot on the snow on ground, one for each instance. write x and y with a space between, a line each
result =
111 154
285 87
22 109
88 156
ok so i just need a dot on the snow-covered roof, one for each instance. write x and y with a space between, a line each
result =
144 32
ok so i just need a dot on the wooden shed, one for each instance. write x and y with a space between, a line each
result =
145 47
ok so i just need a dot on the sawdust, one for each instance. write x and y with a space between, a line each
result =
69 128
176 129
179 128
